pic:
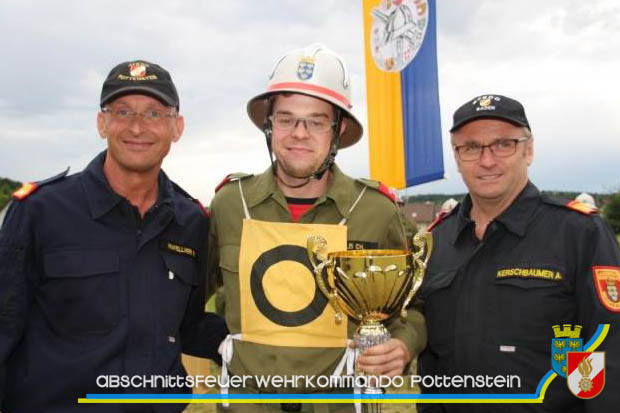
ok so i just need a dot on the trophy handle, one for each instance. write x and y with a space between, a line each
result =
316 246
423 244
423 241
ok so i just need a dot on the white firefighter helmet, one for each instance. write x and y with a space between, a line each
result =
314 71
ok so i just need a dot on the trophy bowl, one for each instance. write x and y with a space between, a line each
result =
370 286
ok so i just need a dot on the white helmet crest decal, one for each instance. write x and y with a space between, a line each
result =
305 68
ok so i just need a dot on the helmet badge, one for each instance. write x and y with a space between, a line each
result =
305 68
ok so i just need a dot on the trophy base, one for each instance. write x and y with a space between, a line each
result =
372 407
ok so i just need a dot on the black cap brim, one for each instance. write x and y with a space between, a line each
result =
139 90
487 116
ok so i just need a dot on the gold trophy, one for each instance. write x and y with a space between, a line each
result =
370 286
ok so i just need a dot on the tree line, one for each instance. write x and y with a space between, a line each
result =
610 203
7 187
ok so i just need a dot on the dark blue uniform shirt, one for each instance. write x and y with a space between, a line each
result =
88 287
486 316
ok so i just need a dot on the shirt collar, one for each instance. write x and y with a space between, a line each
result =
339 189
264 187
463 219
102 198
515 218
518 215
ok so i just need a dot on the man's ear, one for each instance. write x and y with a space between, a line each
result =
529 151
179 126
343 125
457 161
101 126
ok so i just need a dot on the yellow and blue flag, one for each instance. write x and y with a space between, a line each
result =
404 125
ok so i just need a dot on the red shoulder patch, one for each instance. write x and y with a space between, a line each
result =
25 191
224 182
386 191
607 283
582 207
437 220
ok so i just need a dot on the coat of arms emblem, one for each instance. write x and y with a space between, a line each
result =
305 68
137 69
586 373
566 339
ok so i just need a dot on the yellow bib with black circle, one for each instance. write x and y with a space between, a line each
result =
280 302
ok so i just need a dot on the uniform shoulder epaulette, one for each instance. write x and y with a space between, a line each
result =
574 205
231 178
191 198
29 188
440 218
379 186
582 207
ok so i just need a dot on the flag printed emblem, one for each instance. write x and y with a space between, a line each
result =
397 32
586 373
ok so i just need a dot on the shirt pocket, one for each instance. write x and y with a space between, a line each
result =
229 259
81 291
175 286
439 298
529 303
227 298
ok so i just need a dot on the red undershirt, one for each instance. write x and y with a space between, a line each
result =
299 206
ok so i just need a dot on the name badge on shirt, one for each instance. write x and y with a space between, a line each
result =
177 248
362 245
531 273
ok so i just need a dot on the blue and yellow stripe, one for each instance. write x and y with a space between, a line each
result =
538 397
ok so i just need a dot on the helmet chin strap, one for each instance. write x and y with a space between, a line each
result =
325 165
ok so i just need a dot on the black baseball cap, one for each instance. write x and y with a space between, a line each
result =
490 106
140 77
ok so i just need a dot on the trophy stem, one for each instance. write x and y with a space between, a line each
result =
370 333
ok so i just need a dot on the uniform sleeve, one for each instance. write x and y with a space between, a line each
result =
214 275
411 330
201 331
15 265
397 236
599 262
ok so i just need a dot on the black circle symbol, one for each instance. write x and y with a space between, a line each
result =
284 318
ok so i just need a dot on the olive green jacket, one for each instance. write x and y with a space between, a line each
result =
375 222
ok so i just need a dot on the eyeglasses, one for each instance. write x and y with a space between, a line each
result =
127 115
286 122
502 148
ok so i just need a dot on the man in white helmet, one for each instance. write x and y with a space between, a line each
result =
280 323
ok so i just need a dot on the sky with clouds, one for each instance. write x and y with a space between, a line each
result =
558 57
